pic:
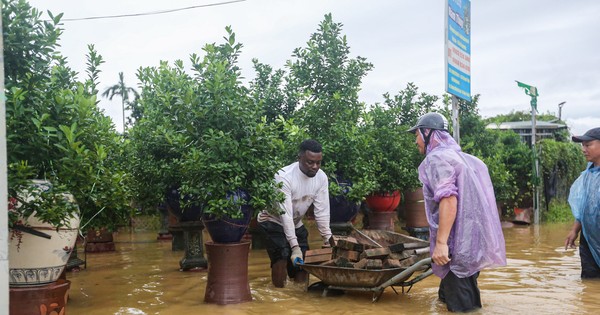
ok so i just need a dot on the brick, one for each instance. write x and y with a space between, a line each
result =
351 255
315 259
320 255
396 248
320 251
350 244
374 264
391 263
408 262
376 253
403 255
361 264
337 238
343 262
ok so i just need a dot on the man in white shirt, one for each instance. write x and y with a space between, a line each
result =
304 184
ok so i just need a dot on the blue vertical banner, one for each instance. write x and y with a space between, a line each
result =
458 48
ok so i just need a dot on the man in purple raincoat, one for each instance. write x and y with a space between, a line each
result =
464 227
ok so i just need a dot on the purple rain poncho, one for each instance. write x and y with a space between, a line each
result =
584 199
476 240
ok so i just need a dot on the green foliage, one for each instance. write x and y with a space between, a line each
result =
408 105
55 131
205 134
369 148
564 158
560 165
392 151
26 199
560 135
268 94
509 161
558 211
520 116
320 94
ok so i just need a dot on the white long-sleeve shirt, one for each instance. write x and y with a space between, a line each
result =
300 192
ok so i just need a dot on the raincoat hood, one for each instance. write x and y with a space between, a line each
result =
441 139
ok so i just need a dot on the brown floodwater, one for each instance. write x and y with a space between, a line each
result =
142 277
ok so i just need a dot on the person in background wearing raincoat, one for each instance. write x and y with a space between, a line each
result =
584 199
464 227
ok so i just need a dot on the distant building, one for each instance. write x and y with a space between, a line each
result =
543 129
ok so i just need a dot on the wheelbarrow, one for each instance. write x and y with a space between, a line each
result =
375 281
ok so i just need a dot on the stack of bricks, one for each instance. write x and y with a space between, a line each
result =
349 252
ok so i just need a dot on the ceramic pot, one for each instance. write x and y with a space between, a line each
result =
99 240
173 202
227 281
342 210
45 299
226 230
36 260
383 220
383 202
414 209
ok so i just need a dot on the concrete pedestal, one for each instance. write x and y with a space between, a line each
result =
194 246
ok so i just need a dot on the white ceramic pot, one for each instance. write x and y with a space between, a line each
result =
38 260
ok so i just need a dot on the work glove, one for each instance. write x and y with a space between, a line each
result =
296 257
327 242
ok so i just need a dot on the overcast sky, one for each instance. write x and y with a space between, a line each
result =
551 44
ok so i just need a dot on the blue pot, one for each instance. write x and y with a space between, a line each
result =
189 213
228 230
341 209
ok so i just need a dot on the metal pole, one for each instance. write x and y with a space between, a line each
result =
536 170
560 105
455 122
4 264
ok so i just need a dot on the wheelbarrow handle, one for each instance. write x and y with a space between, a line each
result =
298 262
406 273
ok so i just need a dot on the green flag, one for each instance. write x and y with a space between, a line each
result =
531 91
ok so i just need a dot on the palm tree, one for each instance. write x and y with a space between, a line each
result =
123 91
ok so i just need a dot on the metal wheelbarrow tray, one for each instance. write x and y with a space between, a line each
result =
373 280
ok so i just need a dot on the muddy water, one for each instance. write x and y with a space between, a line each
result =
142 277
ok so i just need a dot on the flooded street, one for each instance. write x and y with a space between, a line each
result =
142 277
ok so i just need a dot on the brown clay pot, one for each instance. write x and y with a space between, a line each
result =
101 235
381 220
414 209
227 281
45 300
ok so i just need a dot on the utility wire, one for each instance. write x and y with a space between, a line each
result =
150 13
